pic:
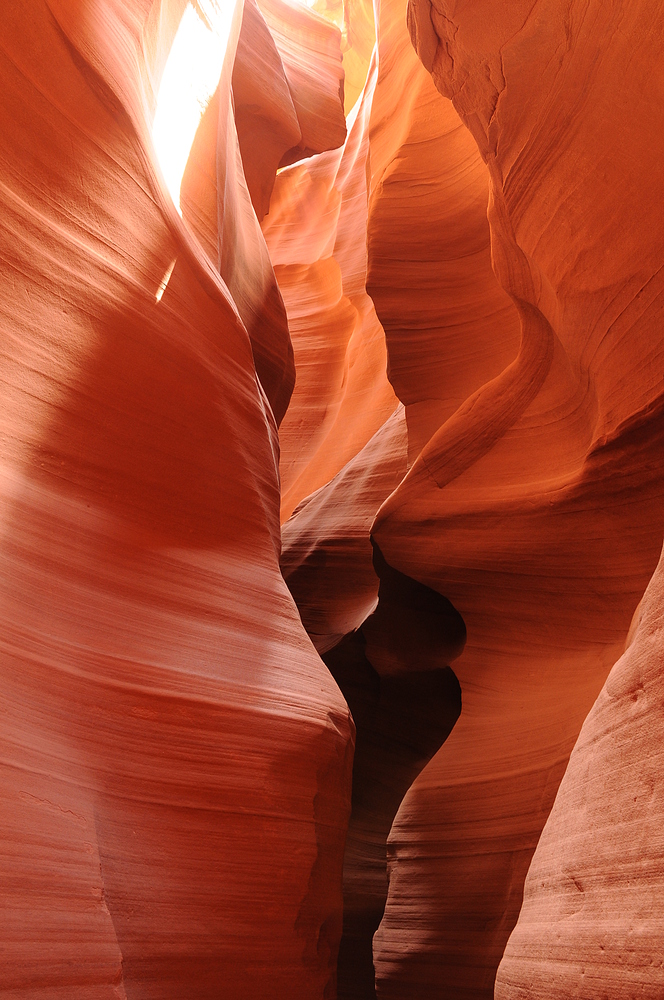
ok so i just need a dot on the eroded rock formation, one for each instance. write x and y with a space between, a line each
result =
519 419
175 756
545 573
402 294
591 919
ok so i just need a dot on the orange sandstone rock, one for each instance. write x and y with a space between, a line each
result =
216 204
316 235
449 325
451 304
310 50
590 924
175 757
265 117
536 507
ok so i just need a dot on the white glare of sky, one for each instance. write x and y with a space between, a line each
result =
191 76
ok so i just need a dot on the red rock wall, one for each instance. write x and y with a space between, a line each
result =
590 924
316 235
538 504
175 756
533 497
431 345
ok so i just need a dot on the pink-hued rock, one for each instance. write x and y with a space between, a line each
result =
265 117
316 235
526 357
327 559
449 325
536 507
591 921
310 50
399 403
175 758
356 19
217 206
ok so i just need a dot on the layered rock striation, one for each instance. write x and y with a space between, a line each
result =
539 501
175 775
360 380
533 494
590 923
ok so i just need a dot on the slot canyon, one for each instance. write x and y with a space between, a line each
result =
332 485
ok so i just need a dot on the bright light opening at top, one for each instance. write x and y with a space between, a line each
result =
191 76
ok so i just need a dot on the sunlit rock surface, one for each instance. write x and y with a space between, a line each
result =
591 924
175 775
331 384
533 499
310 49
537 507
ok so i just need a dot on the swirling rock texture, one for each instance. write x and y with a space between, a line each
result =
407 299
590 924
175 756
533 496
536 507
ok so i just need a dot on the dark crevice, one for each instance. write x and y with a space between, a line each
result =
405 703
414 627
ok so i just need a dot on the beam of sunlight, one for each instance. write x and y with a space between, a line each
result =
165 280
191 76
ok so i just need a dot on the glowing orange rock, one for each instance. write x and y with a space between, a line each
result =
316 235
175 757
310 50
590 923
473 443
265 116
217 205
536 507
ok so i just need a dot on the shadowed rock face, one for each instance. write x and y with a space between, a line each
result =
547 473
532 492
401 717
405 700
413 626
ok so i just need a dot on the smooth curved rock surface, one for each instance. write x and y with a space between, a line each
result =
153 844
327 557
449 325
401 718
428 340
355 19
310 50
543 486
216 204
265 117
591 924
316 235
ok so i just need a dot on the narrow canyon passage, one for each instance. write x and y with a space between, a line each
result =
331 481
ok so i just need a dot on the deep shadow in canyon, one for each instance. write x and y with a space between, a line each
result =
405 700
